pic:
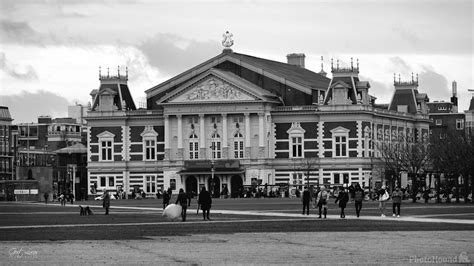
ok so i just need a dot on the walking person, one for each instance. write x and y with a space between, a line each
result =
62 197
166 199
342 198
358 198
306 199
205 202
183 201
396 201
323 197
46 196
106 202
383 197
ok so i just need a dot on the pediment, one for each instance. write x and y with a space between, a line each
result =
211 89
105 135
340 130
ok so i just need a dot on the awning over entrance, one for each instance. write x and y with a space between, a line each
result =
208 172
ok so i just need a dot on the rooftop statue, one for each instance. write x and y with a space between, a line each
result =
227 42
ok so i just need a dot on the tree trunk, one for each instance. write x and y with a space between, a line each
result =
414 184
466 187
457 189
438 188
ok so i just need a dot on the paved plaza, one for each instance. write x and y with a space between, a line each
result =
252 231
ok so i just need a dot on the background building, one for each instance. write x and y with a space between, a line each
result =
238 121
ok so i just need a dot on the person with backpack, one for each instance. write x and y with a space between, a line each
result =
383 198
358 198
396 201
166 199
322 199
183 201
342 198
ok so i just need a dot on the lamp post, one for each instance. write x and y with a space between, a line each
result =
213 147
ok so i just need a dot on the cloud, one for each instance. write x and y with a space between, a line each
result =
382 91
173 54
45 103
434 84
18 32
21 72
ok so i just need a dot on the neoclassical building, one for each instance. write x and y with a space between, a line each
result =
238 120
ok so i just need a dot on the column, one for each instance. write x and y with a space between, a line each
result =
167 137
225 148
261 131
180 137
202 137
247 135
261 135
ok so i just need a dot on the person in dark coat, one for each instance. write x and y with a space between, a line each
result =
46 196
306 199
183 201
358 198
205 201
106 202
342 198
166 199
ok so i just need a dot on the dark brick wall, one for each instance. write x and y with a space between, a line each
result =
117 131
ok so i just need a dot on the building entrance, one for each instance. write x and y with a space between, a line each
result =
236 186
191 185
214 186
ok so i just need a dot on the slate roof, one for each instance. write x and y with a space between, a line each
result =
76 148
296 74
5 114
120 89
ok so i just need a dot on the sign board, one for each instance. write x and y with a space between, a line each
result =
21 191
34 191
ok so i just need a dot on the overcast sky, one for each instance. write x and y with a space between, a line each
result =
50 51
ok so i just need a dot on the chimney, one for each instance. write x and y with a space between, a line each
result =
296 59
454 98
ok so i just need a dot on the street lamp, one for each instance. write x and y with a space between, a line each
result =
213 147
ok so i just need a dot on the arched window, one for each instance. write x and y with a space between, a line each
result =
238 145
216 146
193 147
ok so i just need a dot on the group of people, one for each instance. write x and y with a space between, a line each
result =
321 199
184 200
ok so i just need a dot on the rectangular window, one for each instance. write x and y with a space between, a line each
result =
111 181
297 147
106 150
439 122
173 184
238 149
103 181
193 150
216 149
150 184
336 179
340 146
215 119
459 124
150 150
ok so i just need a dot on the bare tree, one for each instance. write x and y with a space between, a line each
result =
452 153
408 155
308 165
